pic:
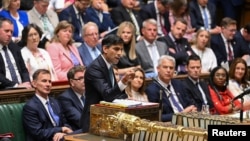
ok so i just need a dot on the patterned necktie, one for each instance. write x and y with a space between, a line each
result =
173 100
10 65
230 53
52 114
132 16
111 75
164 31
181 67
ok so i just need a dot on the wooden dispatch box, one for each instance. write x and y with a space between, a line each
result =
100 125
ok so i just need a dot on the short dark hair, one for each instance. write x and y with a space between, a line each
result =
193 57
2 19
180 20
111 39
26 30
71 73
212 75
227 21
165 2
247 28
39 71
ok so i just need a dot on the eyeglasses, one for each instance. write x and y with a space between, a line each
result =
81 79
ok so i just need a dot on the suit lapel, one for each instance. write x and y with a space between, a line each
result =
74 98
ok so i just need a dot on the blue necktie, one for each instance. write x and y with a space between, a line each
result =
111 76
174 101
52 114
205 17
83 100
10 65
74 59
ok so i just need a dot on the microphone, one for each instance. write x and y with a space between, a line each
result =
245 92
162 87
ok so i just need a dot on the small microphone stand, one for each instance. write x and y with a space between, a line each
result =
160 105
241 109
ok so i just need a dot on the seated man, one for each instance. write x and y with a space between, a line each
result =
174 98
149 50
72 100
194 87
43 119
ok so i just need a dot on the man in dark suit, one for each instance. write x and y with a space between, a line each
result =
179 46
13 72
158 10
98 12
126 12
75 14
243 36
149 49
72 100
99 78
203 15
174 98
43 119
225 46
90 49
194 87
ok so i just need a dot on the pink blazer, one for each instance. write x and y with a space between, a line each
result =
61 59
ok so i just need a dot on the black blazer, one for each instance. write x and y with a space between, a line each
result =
98 87
219 48
192 91
153 92
23 72
72 108
180 57
149 11
120 14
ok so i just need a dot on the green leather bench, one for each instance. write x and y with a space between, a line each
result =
11 120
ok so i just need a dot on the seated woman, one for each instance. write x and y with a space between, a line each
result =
18 17
179 9
201 48
238 80
34 57
135 88
63 53
220 95
128 60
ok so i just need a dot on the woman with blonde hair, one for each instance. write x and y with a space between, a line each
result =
202 49
128 60
63 53
136 87
18 17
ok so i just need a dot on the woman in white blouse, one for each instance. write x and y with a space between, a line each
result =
238 80
34 57
135 88
201 48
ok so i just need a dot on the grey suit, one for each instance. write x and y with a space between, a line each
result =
144 57
35 18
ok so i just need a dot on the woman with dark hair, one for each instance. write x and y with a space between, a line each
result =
63 53
34 57
136 87
238 79
220 95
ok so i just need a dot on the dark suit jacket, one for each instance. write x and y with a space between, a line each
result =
72 108
196 15
153 92
98 87
106 22
36 120
193 92
15 50
144 57
242 42
149 11
180 57
219 48
69 15
85 55
120 14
